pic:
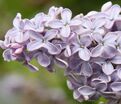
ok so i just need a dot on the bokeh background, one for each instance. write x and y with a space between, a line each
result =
17 84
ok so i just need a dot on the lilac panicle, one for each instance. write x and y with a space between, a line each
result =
87 46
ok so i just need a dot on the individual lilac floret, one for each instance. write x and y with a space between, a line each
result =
65 23
87 46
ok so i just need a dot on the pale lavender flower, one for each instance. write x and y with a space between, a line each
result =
54 12
37 23
111 13
106 46
65 24
81 47
18 33
39 41
91 27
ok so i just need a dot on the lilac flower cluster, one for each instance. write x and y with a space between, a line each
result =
88 46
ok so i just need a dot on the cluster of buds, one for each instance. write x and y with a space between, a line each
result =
87 46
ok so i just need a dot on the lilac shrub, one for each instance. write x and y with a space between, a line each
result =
87 46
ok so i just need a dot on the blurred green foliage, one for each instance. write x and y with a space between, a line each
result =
28 8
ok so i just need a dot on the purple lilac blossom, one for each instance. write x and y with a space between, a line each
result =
87 46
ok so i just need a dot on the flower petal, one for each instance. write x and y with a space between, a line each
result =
116 59
74 61
11 32
17 20
86 90
109 24
55 24
54 11
34 35
105 78
106 6
50 34
86 69
114 76
97 37
108 68
99 23
69 84
95 81
115 11
7 55
85 41
34 45
18 51
66 15
40 18
67 51
28 25
110 39
19 37
26 36
100 31
86 23
15 45
119 37
84 54
97 51
65 31
75 22
52 49
43 60
91 13
119 73
101 86
78 96
116 86
108 52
